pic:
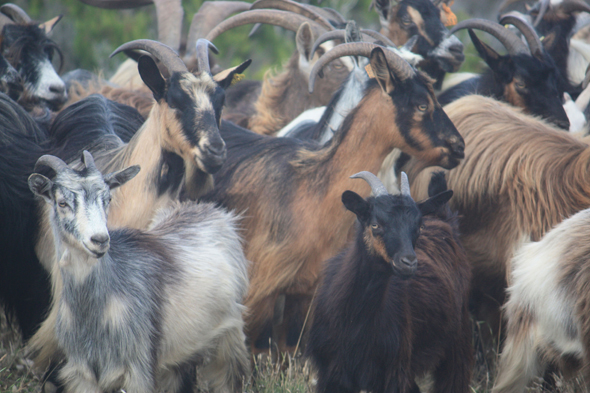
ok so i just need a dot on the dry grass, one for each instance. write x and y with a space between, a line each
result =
291 375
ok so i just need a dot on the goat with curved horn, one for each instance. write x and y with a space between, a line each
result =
287 20
15 13
210 14
376 186
294 7
53 162
166 55
519 21
511 42
341 35
401 68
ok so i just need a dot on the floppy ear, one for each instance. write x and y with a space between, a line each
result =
356 204
226 77
434 203
117 179
381 70
50 24
304 40
41 186
150 74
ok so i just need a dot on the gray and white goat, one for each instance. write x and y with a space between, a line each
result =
139 307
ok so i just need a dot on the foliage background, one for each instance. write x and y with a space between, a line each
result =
88 35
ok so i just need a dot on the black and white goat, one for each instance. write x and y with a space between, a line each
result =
137 308
385 313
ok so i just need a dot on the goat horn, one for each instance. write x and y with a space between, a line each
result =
401 68
14 12
284 19
405 185
294 7
329 13
376 186
164 53
210 15
543 7
519 21
336 35
88 160
170 15
409 45
53 162
117 4
436 2
571 6
511 42
378 36
203 47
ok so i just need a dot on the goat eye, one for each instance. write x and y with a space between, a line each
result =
519 85
406 21
422 108
337 65
62 204
375 226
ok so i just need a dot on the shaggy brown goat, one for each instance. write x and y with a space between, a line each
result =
288 190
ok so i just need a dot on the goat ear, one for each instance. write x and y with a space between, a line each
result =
490 56
304 40
41 186
383 8
117 179
549 41
381 70
150 75
225 78
356 204
432 204
50 24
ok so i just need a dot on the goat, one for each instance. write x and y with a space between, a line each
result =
142 299
401 20
394 304
26 46
287 187
521 176
525 77
547 307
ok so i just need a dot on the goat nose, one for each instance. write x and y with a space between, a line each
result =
100 239
409 260
57 89
216 149
456 48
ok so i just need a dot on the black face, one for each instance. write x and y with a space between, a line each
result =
422 18
419 114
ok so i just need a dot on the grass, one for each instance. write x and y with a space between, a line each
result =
291 375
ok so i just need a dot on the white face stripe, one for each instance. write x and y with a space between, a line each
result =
48 79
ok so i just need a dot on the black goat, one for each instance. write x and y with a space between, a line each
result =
525 77
385 314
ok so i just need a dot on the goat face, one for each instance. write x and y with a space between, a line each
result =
30 52
425 129
80 201
391 225
421 18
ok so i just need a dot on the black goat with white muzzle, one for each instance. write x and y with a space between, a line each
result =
393 305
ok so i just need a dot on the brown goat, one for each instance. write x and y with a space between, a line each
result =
521 176
289 190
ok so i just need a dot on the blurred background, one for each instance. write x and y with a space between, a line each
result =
87 35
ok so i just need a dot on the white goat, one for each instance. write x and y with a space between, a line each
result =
137 308
548 311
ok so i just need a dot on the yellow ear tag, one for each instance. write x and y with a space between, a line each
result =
369 71
237 78
450 17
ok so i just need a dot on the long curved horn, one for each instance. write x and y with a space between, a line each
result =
376 186
436 2
518 20
329 13
170 15
511 42
117 4
203 47
401 68
405 185
294 7
14 12
53 162
164 53
378 36
543 7
338 35
570 6
284 19
88 160
210 15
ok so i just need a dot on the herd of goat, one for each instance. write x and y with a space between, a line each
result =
360 203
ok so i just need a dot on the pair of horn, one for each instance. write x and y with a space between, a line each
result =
377 186
401 68
58 165
511 41
168 57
